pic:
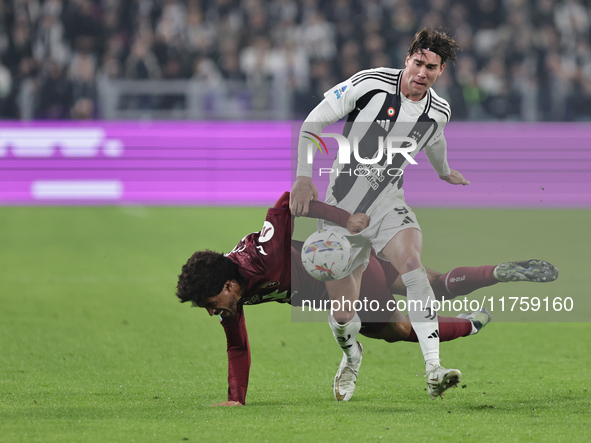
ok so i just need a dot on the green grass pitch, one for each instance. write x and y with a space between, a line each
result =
95 347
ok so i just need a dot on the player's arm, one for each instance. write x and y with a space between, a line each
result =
437 155
238 350
354 223
338 102
303 190
329 213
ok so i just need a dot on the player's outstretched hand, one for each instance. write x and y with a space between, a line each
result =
455 178
302 192
228 403
357 223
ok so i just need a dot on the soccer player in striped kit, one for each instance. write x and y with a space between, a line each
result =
380 103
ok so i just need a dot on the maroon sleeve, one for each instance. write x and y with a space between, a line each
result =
238 356
283 203
329 213
319 210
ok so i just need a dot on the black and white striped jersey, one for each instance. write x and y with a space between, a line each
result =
377 111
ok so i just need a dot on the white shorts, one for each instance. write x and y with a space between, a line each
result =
399 218
379 232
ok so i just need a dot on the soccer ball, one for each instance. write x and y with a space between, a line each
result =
327 255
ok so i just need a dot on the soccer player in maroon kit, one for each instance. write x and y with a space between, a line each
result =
259 270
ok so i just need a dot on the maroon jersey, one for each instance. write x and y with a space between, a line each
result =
264 258
265 262
261 257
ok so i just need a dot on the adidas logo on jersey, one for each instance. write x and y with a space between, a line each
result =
407 220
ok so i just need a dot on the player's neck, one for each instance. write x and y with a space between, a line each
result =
241 289
412 98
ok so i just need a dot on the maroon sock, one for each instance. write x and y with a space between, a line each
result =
464 280
450 328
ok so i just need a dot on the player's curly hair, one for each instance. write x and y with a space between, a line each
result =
437 41
204 276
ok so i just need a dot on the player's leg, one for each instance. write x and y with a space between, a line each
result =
399 327
403 251
461 281
344 293
435 280
345 325
376 307
381 318
343 319
464 280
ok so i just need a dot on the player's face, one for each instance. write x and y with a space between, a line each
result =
422 69
225 304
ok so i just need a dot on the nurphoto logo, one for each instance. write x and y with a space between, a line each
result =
387 146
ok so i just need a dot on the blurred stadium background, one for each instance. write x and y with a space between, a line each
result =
525 60
192 101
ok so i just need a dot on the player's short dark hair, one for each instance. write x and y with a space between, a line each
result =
436 41
204 276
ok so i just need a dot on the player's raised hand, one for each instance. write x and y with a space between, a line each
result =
228 403
302 192
455 178
357 223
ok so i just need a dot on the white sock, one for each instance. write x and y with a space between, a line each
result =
346 336
423 319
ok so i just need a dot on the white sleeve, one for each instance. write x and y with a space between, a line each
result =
338 102
343 97
437 155
320 117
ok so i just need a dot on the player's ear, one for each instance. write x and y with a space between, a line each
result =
232 285
441 70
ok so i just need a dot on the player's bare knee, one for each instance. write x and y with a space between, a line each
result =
403 329
343 317
395 331
411 264
358 272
